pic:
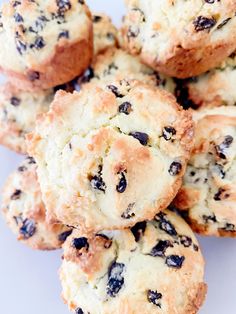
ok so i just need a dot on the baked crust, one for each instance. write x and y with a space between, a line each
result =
24 210
112 272
180 39
207 197
45 65
104 153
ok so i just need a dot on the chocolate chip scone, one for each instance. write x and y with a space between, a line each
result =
124 145
25 213
208 195
104 32
18 111
214 88
45 43
154 267
180 38
116 64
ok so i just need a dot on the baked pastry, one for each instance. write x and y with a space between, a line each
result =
45 43
104 32
156 267
116 64
18 111
180 38
208 196
215 87
24 210
125 144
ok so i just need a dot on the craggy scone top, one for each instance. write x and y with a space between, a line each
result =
180 38
208 195
124 144
156 267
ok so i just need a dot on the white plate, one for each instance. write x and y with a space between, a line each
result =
28 279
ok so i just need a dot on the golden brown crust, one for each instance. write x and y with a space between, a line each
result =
50 72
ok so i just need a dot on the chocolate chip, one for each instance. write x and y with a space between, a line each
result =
22 169
28 228
97 18
141 137
168 132
20 46
16 195
132 32
115 91
160 248
15 101
185 241
97 183
81 1
115 279
223 23
195 247
79 243
30 160
63 5
125 108
203 23
175 261
79 311
138 230
165 225
210 1
220 149
39 43
63 34
16 3
33 75
209 218
229 227
175 168
64 235
218 196
18 18
108 242
18 219
128 213
122 185
154 297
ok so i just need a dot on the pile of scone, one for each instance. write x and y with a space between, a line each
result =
129 136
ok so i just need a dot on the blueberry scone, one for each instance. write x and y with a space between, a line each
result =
105 33
116 64
45 43
125 145
216 87
154 267
208 195
180 38
18 111
24 210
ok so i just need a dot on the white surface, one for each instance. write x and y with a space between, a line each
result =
29 281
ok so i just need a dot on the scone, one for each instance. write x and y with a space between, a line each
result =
116 64
208 196
214 88
110 157
156 267
45 43
18 111
180 38
24 210
104 32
